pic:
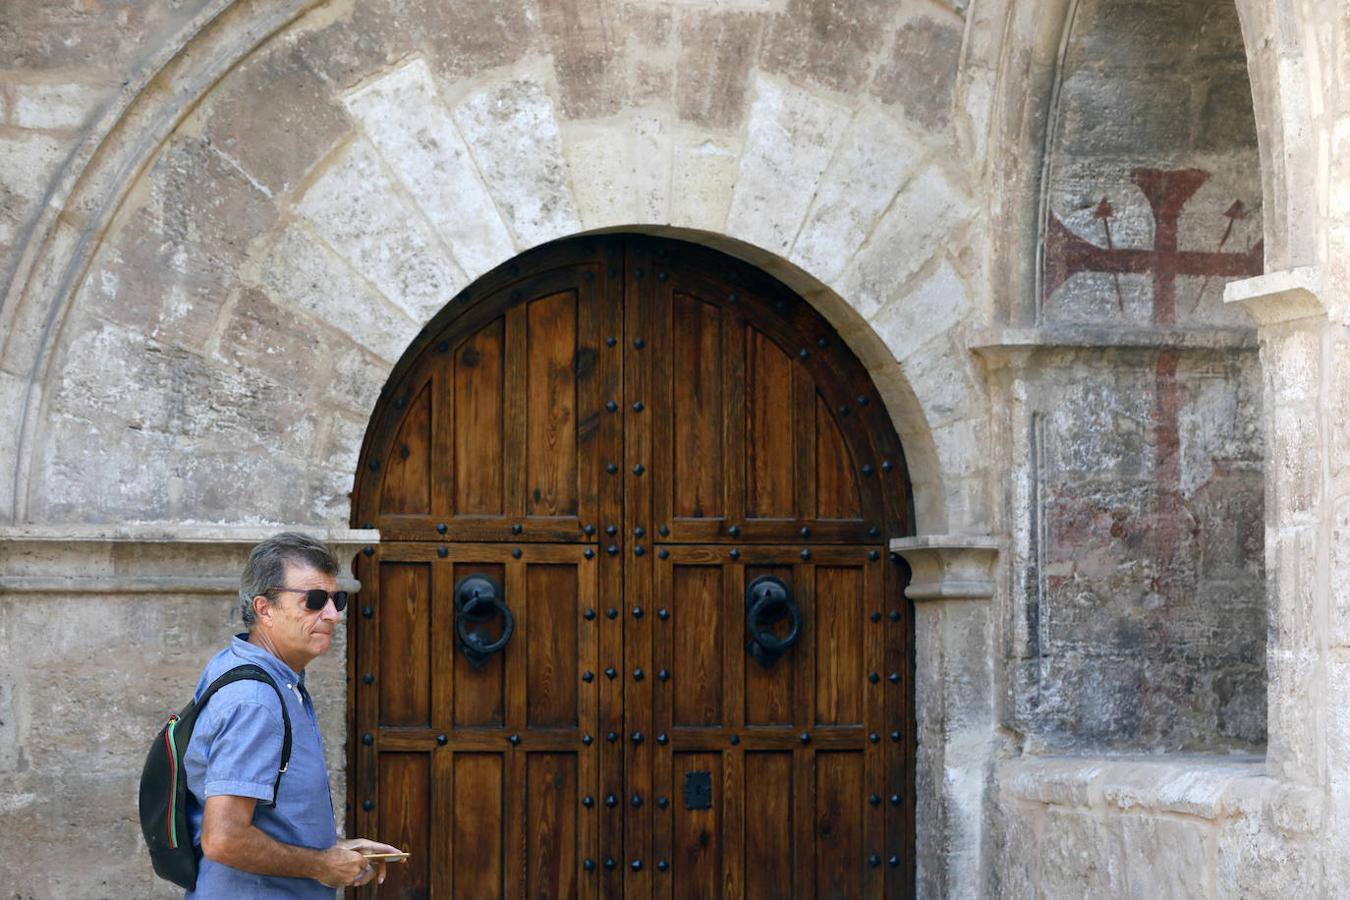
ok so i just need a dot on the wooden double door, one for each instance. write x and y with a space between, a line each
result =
631 629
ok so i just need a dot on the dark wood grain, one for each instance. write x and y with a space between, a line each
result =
551 473
405 794
551 646
696 657
480 422
407 480
839 848
478 833
551 810
405 643
770 442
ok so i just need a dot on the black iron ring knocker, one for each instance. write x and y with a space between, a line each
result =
767 601
478 599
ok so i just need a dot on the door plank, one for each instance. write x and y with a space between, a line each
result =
405 794
551 392
479 451
769 815
770 443
405 643
550 646
551 837
407 479
478 832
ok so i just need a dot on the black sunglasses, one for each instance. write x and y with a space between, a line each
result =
317 598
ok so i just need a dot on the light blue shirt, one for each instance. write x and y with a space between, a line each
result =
236 750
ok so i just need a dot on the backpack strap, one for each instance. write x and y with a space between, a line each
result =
250 672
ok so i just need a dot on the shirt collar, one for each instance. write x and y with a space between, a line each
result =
261 657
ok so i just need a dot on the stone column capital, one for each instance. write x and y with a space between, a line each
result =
1279 297
949 566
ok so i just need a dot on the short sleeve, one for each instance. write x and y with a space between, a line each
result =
245 751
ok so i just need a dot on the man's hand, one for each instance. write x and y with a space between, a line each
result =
341 867
365 845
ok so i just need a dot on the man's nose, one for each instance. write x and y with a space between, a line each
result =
329 611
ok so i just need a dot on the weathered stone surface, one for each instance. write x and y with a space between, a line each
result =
300 271
274 117
703 176
915 225
826 42
109 37
169 267
197 431
1256 861
260 335
920 76
331 482
356 209
586 56
621 175
403 117
1072 861
872 162
791 137
936 304
56 106
712 75
28 162
514 138
465 39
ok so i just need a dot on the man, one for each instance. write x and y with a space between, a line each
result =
290 604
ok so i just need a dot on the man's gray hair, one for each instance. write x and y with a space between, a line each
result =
266 567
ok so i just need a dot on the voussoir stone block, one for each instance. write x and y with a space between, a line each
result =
935 305
790 138
404 118
621 170
920 75
713 73
702 180
299 270
513 134
918 223
275 117
875 156
356 209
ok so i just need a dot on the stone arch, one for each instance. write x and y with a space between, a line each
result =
874 216
1286 76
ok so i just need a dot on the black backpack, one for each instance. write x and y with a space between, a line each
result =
164 819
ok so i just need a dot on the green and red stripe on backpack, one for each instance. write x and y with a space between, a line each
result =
163 794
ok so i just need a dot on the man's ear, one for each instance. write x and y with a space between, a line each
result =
262 608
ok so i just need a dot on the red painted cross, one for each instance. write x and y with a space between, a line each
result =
1171 524
1066 254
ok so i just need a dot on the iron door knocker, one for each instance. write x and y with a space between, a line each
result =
767 601
478 599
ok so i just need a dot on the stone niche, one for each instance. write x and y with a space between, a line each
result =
1138 615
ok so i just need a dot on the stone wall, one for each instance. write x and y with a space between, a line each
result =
1145 827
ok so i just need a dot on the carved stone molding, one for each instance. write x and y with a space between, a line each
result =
1279 297
147 559
949 567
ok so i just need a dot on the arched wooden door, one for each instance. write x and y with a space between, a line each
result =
661 465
